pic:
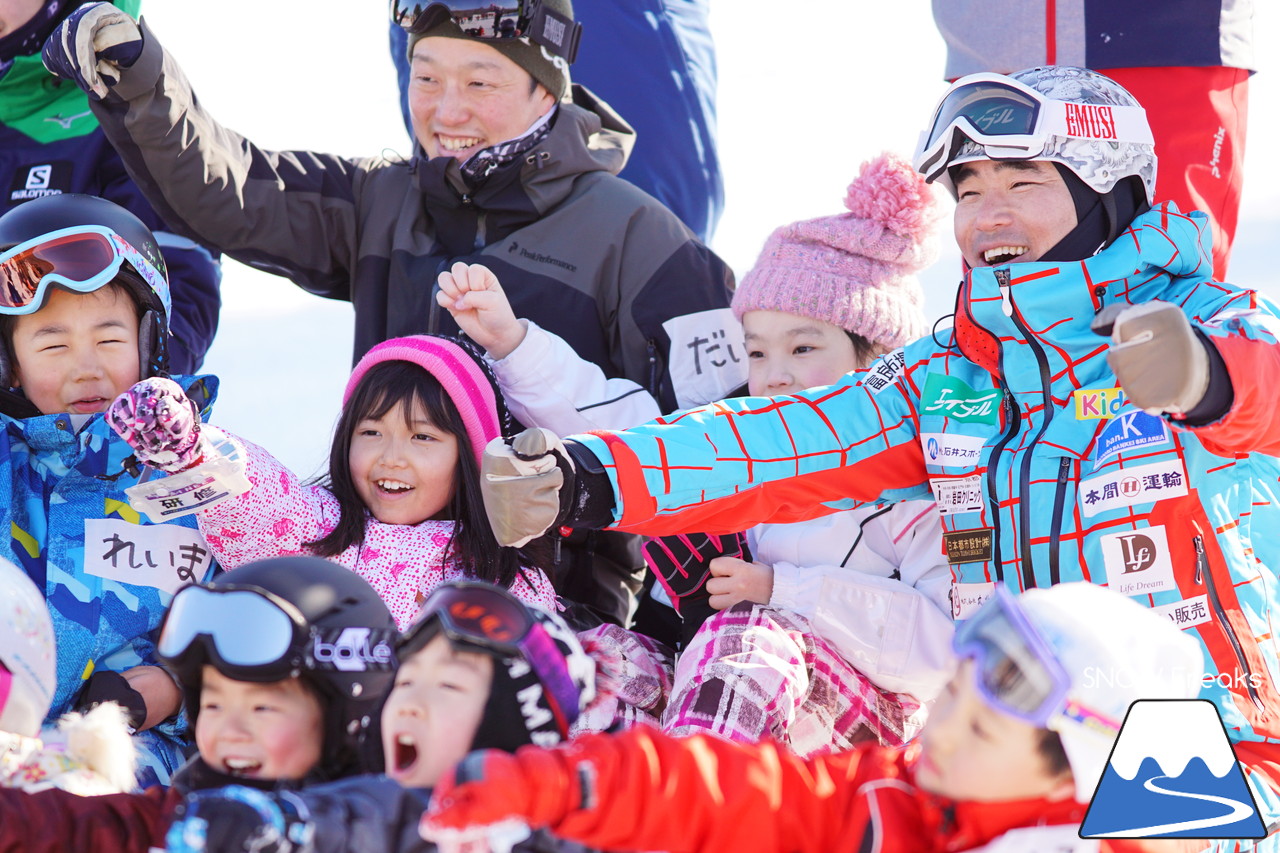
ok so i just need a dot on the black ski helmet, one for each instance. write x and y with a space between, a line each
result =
64 212
340 610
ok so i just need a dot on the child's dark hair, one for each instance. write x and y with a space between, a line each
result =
1049 746
864 350
402 383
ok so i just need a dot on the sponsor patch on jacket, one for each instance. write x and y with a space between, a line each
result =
1137 561
1127 431
957 494
164 556
708 359
953 398
969 546
1186 613
950 450
1130 486
37 180
884 371
968 597
1098 404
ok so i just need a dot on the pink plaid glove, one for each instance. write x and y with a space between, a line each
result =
157 419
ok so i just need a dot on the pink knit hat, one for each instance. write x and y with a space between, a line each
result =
457 372
855 270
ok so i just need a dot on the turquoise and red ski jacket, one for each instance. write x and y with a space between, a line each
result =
1043 471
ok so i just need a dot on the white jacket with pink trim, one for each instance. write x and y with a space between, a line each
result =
280 514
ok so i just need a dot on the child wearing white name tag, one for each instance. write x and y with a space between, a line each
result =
84 307
283 663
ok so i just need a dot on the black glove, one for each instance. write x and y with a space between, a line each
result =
682 563
237 818
106 686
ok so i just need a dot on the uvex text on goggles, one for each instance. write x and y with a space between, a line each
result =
249 634
492 619
1012 121
506 19
80 259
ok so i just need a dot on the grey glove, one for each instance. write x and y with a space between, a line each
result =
522 485
1155 354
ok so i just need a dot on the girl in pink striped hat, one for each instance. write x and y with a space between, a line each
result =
400 504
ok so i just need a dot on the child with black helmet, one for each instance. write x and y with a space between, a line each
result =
478 669
84 307
283 662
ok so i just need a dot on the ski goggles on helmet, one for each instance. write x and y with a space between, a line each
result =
1012 121
1015 669
249 634
80 259
491 619
505 19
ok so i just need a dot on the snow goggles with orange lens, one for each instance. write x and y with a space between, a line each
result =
1012 121
489 618
80 259
508 19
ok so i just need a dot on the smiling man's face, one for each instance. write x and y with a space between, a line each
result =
465 96
1010 211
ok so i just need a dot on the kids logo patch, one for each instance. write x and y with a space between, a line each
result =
1172 774
1097 404
1128 431
953 398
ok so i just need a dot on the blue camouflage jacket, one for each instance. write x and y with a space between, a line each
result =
1042 470
108 573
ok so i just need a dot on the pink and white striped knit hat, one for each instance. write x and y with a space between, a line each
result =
855 270
457 372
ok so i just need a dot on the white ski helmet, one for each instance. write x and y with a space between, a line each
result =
27 653
1074 116
1115 651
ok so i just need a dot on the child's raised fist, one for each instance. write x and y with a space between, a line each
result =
158 420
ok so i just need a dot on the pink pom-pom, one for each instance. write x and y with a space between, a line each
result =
892 193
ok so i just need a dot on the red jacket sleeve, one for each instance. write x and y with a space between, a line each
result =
55 821
655 792
1251 426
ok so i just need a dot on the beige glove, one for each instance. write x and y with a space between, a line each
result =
521 485
91 46
1155 354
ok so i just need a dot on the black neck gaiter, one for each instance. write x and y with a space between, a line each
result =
1100 218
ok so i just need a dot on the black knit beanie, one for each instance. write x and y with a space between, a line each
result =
541 64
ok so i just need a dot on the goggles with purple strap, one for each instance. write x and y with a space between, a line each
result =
491 619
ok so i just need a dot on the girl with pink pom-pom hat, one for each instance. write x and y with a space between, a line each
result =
838 630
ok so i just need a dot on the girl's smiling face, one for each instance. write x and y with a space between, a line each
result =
788 353
403 465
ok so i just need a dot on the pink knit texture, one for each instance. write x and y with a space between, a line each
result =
455 369
855 270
